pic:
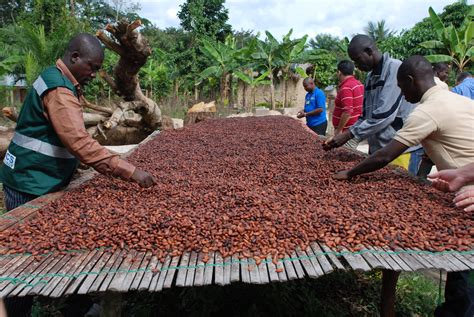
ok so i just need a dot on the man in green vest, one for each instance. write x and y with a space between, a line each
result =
50 137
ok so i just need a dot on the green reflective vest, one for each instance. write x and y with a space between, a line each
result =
36 161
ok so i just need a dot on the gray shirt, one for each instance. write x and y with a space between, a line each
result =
385 109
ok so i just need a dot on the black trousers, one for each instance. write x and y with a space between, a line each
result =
320 129
459 295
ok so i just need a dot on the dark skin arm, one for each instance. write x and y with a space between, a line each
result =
337 140
314 112
374 162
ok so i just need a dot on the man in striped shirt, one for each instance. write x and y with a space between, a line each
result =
349 100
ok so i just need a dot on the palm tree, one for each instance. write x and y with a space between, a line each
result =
377 31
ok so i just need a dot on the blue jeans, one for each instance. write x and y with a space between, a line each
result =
415 161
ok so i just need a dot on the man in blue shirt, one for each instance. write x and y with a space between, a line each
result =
314 108
465 85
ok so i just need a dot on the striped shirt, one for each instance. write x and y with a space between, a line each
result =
350 98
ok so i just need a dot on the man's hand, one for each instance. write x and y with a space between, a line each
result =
465 199
337 132
337 141
300 114
144 179
447 180
342 176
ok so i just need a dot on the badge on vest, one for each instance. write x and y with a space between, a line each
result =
9 160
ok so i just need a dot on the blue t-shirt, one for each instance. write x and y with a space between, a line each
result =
465 88
315 100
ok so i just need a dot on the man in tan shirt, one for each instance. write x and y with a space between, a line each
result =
443 123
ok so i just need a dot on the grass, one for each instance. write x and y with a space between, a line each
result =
338 294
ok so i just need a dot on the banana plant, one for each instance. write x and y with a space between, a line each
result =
223 56
456 45
248 78
290 52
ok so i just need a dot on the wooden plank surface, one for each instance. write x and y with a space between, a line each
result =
227 269
118 278
164 271
130 278
323 261
191 272
155 275
209 269
244 270
297 265
75 267
356 261
148 274
181 278
307 265
86 266
171 272
272 270
52 270
383 256
397 259
335 261
235 269
219 270
199 274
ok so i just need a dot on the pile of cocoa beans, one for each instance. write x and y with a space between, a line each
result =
257 186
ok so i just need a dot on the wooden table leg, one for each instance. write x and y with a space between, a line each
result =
389 285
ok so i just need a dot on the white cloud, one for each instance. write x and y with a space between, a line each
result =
340 18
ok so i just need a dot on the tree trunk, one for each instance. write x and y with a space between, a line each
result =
272 91
285 100
134 51
244 96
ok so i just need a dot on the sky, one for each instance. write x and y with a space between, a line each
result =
336 17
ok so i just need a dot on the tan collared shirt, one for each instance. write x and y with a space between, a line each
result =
64 111
443 123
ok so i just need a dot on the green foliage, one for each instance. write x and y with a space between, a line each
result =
324 66
416 295
377 31
454 44
207 18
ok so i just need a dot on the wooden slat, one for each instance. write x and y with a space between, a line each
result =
86 266
397 260
219 270
199 274
289 268
111 274
282 276
465 260
56 287
37 270
148 274
332 257
439 262
297 265
99 273
15 268
307 265
56 269
356 261
156 276
423 259
181 279
22 269
191 271
227 269
272 270
171 272
372 260
253 272
235 269
460 266
164 271
314 261
244 270
263 273
119 277
133 274
7 261
385 259
323 261
209 270
410 261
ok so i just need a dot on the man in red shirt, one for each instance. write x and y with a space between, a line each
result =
349 100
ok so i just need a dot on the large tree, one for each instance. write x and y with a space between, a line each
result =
378 30
205 18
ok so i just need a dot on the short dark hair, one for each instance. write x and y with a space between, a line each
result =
463 76
346 67
439 67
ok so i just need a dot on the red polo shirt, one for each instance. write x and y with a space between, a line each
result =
350 98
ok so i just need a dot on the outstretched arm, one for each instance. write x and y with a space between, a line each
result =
376 161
